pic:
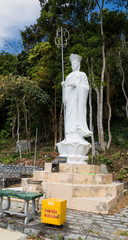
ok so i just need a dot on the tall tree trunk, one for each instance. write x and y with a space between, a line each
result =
102 77
13 126
90 112
91 125
98 113
26 126
18 127
98 100
123 81
109 110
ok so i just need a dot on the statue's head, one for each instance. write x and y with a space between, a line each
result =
75 61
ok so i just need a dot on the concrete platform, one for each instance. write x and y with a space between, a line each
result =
74 168
83 186
74 178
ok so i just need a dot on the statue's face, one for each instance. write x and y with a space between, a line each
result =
75 66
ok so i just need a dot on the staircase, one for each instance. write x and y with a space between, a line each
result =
83 186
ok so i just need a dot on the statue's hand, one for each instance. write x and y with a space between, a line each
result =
72 85
63 83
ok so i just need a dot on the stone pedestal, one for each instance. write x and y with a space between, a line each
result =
83 186
74 151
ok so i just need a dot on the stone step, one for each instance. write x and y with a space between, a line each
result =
74 178
101 205
69 191
79 168
74 168
102 190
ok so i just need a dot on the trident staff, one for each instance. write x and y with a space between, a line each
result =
62 36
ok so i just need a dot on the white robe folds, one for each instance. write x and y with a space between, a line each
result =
75 99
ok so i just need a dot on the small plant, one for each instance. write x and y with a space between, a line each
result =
3 136
35 237
122 174
60 237
116 156
106 161
102 160
11 221
123 233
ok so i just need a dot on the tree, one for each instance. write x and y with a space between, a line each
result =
93 36
25 96
46 71
71 14
123 51
23 65
8 63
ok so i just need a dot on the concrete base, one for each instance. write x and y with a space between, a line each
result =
83 186
74 151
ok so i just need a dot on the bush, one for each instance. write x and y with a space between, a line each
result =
122 174
98 160
3 136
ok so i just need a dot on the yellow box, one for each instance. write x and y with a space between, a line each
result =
53 211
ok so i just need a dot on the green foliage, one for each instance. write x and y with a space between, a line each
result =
37 94
8 64
23 64
105 160
124 233
122 174
54 14
116 156
60 237
24 94
9 159
120 134
101 159
5 133
3 136
42 70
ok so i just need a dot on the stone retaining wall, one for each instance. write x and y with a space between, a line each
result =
10 174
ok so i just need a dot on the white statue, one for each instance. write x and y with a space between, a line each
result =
76 89
75 93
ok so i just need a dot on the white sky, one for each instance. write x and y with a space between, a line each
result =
15 15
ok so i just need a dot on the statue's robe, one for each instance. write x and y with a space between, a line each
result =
75 99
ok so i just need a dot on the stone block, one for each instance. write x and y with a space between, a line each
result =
60 177
64 167
79 168
48 167
74 178
57 190
39 175
95 169
24 146
95 205
24 182
102 190
92 179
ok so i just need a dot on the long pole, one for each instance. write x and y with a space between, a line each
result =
61 43
62 54
35 149
63 92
